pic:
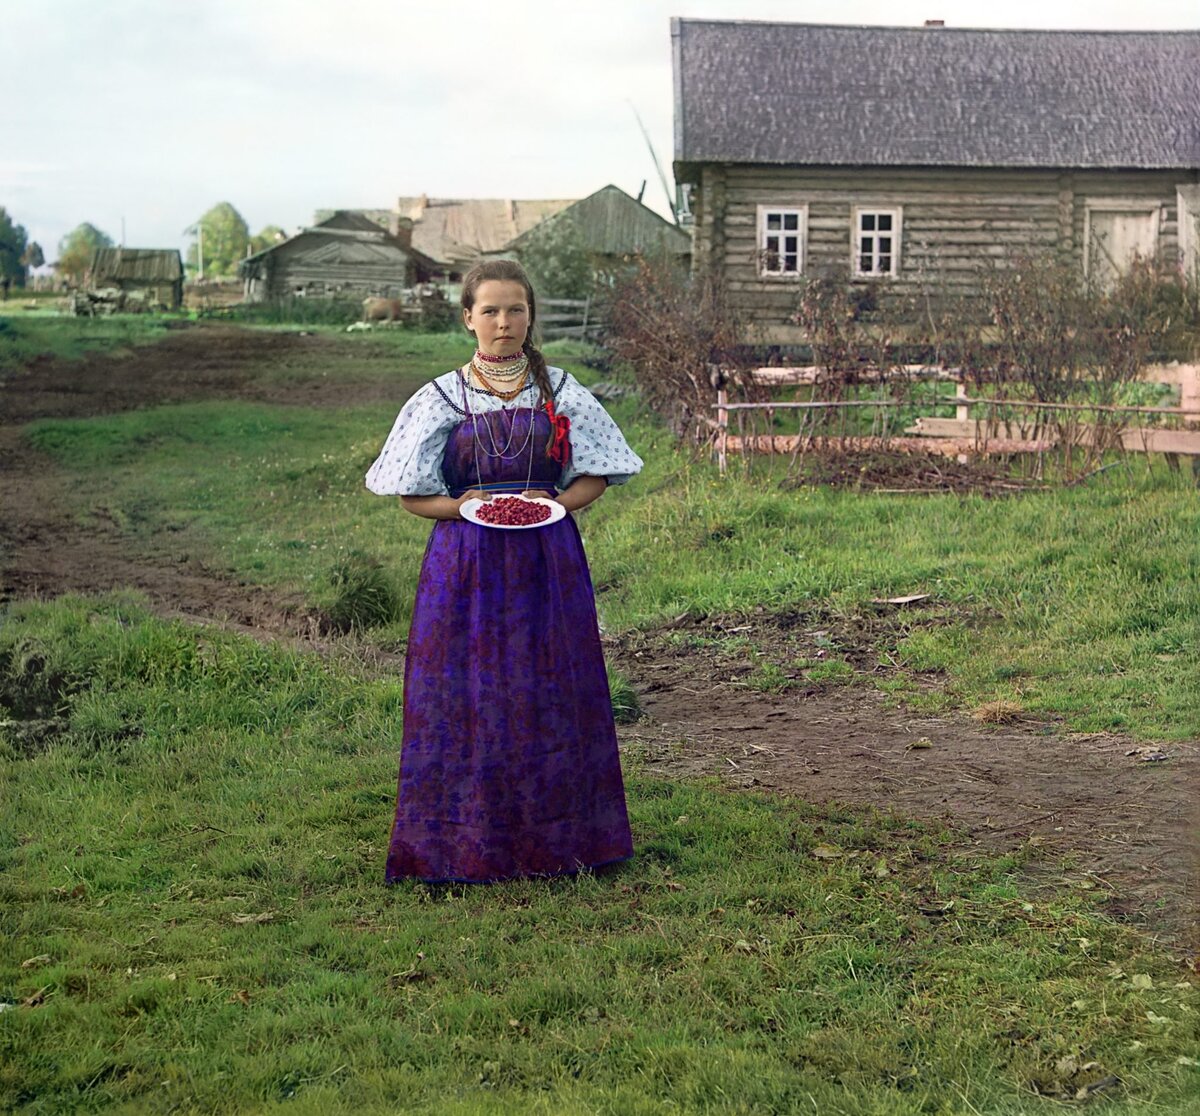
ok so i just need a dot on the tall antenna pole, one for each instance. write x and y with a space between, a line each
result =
197 230
657 165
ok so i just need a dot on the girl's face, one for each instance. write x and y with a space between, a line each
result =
500 317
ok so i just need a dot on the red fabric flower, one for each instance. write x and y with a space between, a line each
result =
560 435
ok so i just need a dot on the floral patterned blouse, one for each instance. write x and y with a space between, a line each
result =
410 462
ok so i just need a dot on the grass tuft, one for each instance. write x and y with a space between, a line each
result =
626 705
365 594
998 713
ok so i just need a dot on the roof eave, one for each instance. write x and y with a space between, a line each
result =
688 170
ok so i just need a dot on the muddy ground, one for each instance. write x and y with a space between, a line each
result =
1093 815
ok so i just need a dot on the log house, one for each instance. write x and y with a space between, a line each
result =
912 157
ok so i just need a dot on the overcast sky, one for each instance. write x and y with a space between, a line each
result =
151 111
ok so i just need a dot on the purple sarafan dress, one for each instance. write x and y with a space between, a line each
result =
509 765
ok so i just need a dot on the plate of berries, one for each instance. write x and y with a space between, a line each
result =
512 513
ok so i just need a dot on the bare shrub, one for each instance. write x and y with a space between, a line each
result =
851 340
679 339
1030 331
1077 347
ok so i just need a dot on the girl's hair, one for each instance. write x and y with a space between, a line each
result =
511 271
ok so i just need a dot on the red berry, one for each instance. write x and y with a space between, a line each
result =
513 511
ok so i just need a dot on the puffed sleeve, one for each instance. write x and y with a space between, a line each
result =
410 463
598 448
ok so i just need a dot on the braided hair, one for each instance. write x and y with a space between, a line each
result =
511 271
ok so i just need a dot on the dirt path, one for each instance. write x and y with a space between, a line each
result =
1100 818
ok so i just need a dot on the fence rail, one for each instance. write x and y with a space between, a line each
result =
967 434
568 317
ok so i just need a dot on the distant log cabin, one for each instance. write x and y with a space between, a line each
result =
153 274
345 255
904 157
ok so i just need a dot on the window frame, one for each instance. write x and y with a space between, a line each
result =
760 251
857 212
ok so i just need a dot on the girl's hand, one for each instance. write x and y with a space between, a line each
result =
473 494
537 494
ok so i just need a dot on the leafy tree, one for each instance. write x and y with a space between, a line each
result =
33 256
270 235
12 247
226 237
557 261
76 248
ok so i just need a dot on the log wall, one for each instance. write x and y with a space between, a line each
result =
320 279
954 220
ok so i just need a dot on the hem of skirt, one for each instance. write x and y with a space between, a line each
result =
514 876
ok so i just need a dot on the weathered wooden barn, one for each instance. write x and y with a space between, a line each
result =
610 226
901 156
346 254
151 274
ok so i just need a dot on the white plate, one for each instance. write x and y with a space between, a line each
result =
470 510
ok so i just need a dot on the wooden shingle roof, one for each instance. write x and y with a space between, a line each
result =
352 219
611 223
335 245
887 96
458 231
151 265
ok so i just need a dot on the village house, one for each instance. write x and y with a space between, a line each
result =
346 254
609 226
900 157
458 232
152 276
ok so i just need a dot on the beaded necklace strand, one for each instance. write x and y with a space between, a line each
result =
527 445
502 370
507 395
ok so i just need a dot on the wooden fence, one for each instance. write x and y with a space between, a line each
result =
568 317
1000 430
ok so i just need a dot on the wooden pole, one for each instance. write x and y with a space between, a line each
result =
722 429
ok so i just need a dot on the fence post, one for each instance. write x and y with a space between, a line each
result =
722 428
1189 392
1189 396
962 412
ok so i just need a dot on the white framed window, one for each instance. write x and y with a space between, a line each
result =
782 234
876 242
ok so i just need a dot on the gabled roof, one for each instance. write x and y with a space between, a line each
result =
157 265
317 247
379 218
353 219
458 231
611 223
323 245
889 96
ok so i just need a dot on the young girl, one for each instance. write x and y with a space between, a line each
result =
509 764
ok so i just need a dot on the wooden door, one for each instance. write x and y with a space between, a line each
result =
1116 237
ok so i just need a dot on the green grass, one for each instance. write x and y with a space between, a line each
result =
191 860
1081 605
27 335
